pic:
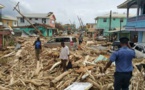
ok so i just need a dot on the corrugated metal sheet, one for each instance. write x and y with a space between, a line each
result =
79 86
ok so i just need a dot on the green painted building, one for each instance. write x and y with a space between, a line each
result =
46 30
103 22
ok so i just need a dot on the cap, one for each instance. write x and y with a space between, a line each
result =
123 39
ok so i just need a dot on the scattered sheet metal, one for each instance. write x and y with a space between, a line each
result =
79 86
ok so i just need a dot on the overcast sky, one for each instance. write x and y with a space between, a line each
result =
66 10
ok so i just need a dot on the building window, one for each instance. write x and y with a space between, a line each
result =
43 20
15 23
121 20
22 20
105 20
30 18
36 18
114 19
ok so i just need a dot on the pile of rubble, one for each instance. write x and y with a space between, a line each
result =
23 72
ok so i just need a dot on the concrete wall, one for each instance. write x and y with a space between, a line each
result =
115 23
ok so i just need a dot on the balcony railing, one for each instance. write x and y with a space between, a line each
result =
137 22
139 18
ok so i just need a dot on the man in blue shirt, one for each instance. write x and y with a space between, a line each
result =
123 61
38 48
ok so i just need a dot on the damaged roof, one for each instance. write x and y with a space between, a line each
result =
37 15
37 25
9 17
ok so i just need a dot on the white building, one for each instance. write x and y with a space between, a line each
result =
1 6
35 18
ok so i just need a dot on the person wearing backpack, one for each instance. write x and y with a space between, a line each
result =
38 48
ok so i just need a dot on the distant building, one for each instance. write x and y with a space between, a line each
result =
135 24
69 28
5 34
1 6
117 20
48 19
9 21
91 28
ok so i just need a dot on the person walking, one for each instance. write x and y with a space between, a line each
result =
38 48
64 55
123 62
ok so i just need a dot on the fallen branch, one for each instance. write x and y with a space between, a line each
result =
90 74
8 55
55 65
61 76
67 83
3 88
35 82
85 75
60 84
86 59
38 68
94 83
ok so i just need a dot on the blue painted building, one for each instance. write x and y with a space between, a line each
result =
137 23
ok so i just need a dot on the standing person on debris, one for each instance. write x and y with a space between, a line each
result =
123 61
64 55
38 47
80 39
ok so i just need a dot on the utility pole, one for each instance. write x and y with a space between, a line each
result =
110 18
70 24
18 10
121 20
120 30
80 23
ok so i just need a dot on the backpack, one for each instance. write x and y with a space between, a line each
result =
69 66
37 44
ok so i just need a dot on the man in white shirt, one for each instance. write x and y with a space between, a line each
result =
64 55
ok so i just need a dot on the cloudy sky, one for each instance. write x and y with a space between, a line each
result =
65 10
